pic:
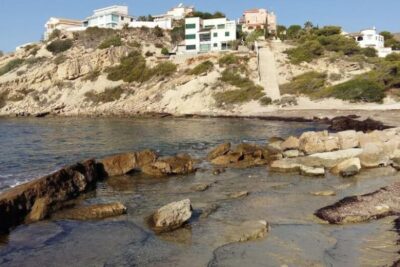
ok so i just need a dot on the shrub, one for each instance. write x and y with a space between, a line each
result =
309 84
252 37
158 32
305 52
247 89
32 49
59 46
329 30
207 15
265 101
135 44
369 52
203 67
159 45
11 65
109 95
293 32
111 41
93 36
339 43
164 69
60 59
177 34
92 76
357 90
149 54
228 59
393 57
165 51
34 60
55 34
335 77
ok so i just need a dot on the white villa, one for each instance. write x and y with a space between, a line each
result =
62 25
370 38
176 13
109 17
209 35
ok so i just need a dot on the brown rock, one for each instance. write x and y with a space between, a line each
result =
348 167
228 159
200 187
119 164
292 143
171 216
92 212
145 157
39 210
220 150
179 164
313 142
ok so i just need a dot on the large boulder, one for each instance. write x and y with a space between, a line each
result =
220 150
381 203
313 142
374 155
348 139
171 216
329 159
37 199
349 167
331 143
176 165
292 143
92 212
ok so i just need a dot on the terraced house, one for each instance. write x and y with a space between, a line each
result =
202 36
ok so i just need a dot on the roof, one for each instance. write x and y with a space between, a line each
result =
254 10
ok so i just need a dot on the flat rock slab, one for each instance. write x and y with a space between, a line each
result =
381 203
92 212
330 159
246 231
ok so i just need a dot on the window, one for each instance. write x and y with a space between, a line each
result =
115 18
221 26
191 47
131 19
191 26
215 34
227 34
190 36
122 18
205 37
215 45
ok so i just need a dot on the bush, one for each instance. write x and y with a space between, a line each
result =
265 101
55 34
339 43
357 90
109 95
59 46
92 76
329 30
252 37
164 51
149 54
293 32
164 69
203 67
11 65
158 32
247 89
135 44
111 41
309 84
177 34
34 60
369 52
228 59
393 57
305 52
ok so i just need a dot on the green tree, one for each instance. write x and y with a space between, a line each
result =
293 32
177 34
329 30
281 32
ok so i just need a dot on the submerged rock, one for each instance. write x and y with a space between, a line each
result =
220 150
171 216
200 187
92 212
381 203
348 167
177 165
246 231
208 210
326 193
37 199
243 156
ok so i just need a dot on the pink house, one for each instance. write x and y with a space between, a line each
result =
259 18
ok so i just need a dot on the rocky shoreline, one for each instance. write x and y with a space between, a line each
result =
313 154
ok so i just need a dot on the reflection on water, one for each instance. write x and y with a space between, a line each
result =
296 237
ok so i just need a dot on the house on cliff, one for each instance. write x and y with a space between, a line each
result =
259 18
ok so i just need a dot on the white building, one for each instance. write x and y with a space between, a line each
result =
259 18
209 35
370 38
165 23
109 17
62 25
176 13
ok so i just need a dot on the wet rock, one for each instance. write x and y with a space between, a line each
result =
228 159
274 147
292 143
218 171
177 165
350 123
246 231
39 198
200 187
285 166
238 194
312 171
313 142
249 149
373 156
243 156
326 193
348 139
348 167
92 212
291 153
171 216
381 203
145 157
330 159
219 151
208 210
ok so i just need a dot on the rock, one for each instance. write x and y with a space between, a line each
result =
373 155
347 168
348 139
119 164
200 187
311 171
274 139
92 212
171 216
396 163
331 143
246 231
285 166
292 143
220 150
349 123
274 147
313 142
37 199
238 194
329 159
208 210
228 159
249 149
324 193
381 203
177 165
218 171
291 153
145 157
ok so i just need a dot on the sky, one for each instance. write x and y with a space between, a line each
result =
22 21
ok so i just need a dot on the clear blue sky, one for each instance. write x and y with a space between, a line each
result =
22 21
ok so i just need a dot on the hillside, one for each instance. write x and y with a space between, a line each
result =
107 72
